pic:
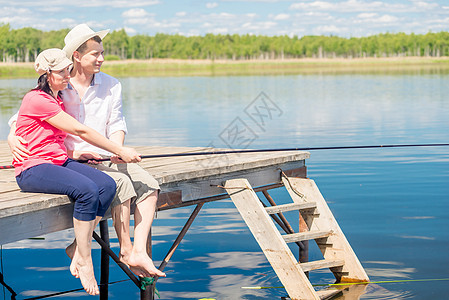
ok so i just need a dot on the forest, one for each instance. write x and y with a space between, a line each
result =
23 45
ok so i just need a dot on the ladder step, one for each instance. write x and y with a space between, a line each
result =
289 207
328 294
305 236
321 264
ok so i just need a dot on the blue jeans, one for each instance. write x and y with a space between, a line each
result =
92 190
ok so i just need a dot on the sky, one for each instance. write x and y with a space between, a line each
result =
345 18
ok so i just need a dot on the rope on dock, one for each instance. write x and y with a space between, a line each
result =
147 281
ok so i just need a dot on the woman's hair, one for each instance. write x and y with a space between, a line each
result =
42 85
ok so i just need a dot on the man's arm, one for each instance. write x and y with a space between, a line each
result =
118 137
17 144
91 157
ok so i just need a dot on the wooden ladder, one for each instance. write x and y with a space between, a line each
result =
338 255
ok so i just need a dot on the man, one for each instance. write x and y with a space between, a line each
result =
94 99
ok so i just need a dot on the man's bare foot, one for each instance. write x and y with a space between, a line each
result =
86 275
142 263
136 270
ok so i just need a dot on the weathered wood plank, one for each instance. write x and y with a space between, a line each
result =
35 223
321 264
191 170
329 294
289 207
305 236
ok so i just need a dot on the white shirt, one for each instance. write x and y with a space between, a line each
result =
100 109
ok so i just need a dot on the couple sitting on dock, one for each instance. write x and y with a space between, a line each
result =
74 113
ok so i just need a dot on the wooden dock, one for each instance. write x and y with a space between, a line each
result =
195 180
183 181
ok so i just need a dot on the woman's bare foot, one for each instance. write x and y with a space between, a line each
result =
71 253
85 271
70 250
142 265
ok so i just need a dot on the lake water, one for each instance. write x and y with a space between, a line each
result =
392 204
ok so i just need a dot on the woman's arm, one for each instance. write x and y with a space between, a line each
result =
65 122
117 137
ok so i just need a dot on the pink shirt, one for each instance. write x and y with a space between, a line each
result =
45 142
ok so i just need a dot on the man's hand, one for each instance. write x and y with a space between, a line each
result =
91 157
127 155
18 147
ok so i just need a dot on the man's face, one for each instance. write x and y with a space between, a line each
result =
92 59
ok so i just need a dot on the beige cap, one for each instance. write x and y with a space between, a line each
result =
78 35
51 59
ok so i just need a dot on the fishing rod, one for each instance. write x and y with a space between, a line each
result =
267 150
350 283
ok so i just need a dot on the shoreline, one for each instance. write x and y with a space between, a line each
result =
398 59
208 67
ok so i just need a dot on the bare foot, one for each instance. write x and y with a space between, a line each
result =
136 270
71 252
87 277
73 266
143 263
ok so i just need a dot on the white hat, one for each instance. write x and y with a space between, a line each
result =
51 59
78 35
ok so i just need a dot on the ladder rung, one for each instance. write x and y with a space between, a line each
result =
328 294
289 207
304 236
321 264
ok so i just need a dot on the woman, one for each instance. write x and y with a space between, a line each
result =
43 123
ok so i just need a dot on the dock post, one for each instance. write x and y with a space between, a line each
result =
104 277
304 251
148 293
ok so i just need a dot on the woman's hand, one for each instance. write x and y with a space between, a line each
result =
91 157
18 147
115 159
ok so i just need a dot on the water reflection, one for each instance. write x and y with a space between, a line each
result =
40 293
239 260
372 291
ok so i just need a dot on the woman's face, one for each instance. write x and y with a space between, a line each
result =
58 80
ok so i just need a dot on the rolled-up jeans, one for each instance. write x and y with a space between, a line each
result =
90 189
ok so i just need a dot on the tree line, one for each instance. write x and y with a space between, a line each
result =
23 45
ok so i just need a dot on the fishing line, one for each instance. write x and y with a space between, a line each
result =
71 291
2 280
350 283
1 265
266 150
